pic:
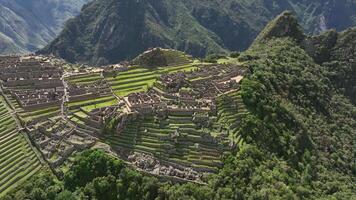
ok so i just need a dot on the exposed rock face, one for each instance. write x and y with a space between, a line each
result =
109 31
27 25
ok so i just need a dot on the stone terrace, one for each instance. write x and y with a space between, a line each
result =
175 120
57 139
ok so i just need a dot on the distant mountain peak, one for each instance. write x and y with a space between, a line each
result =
27 25
109 31
284 25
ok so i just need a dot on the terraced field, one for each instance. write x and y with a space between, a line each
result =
80 118
100 101
167 57
85 78
35 115
40 114
230 111
193 148
77 110
176 58
18 161
138 79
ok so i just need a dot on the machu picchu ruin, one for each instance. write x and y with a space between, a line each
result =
164 119
177 100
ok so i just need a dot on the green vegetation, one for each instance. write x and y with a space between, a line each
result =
293 117
18 162
159 57
139 79
44 113
85 79
196 27
93 175
336 52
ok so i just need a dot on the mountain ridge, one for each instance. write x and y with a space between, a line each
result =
29 25
198 27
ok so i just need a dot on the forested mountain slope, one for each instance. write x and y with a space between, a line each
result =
27 25
336 52
109 31
301 126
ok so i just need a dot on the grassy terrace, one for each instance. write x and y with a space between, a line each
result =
74 107
88 105
14 103
138 79
101 101
230 110
28 116
17 160
154 138
44 113
85 78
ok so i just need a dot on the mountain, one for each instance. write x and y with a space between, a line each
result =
300 112
336 52
27 25
108 31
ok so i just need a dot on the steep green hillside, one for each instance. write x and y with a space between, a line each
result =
300 125
336 52
18 161
29 25
109 31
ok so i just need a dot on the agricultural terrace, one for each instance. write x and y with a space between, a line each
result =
31 117
87 92
18 161
187 119
139 79
231 110
174 140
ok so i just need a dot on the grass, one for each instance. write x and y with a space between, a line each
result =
228 60
81 114
128 91
46 112
138 79
86 78
100 105
91 102
17 160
